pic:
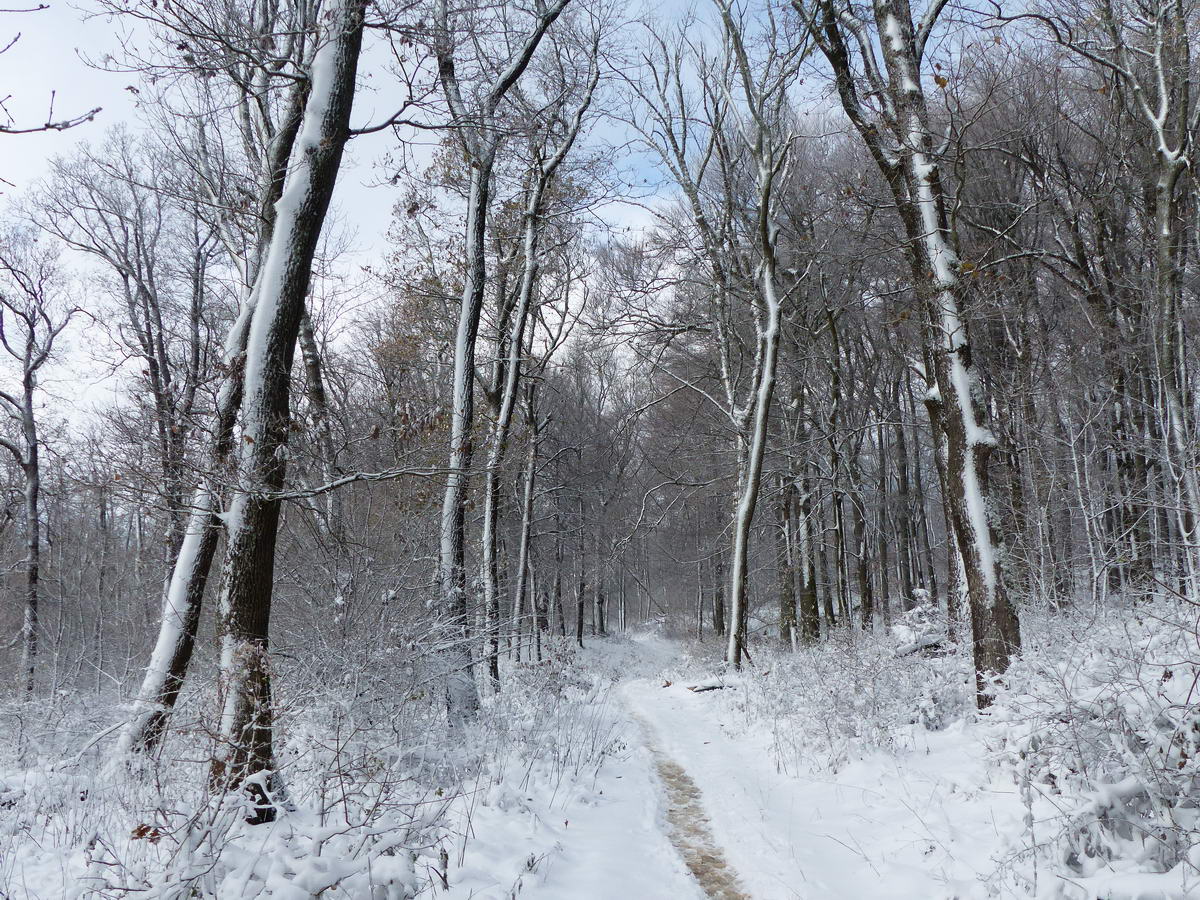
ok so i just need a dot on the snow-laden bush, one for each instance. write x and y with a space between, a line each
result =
1100 722
83 824
383 801
854 693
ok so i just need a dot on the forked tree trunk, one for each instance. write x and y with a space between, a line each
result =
186 582
244 756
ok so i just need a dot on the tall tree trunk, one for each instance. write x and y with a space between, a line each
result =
480 135
530 475
188 577
244 757
883 526
560 612
581 586
462 695
785 564
33 538
866 596
996 635
751 470
719 597
1179 426
810 612
319 404
904 521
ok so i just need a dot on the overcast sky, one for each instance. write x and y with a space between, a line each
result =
47 58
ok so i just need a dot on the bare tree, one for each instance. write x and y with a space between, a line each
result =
1147 49
724 141
475 109
30 323
123 205
548 148
882 58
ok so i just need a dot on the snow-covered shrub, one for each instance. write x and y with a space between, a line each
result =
75 822
1101 727
383 801
852 694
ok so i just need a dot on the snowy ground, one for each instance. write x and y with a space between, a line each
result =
924 824
921 826
605 837
843 771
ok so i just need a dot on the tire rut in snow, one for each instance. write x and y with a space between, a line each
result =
689 831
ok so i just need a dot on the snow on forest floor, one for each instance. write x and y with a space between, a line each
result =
924 823
604 838
921 825
842 771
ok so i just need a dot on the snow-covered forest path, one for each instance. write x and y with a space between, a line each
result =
690 805
921 824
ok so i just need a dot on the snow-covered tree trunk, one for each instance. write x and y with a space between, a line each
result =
810 611
31 498
26 277
739 126
903 150
187 580
937 278
462 695
1149 51
244 756
751 474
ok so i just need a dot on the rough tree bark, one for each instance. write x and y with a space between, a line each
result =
903 150
244 756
